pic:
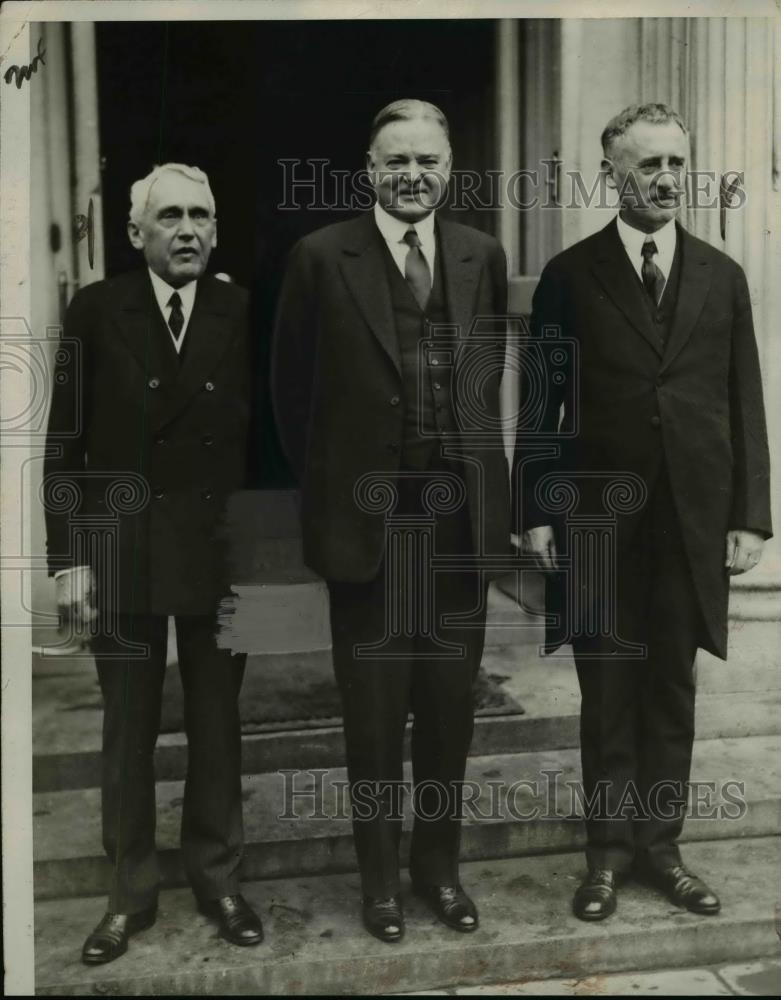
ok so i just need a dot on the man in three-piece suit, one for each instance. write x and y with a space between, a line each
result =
668 406
368 408
153 372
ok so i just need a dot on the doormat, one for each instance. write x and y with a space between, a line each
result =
286 688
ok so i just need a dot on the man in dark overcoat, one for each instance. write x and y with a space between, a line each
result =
661 450
147 438
387 403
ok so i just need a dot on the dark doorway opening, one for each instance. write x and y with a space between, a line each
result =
235 98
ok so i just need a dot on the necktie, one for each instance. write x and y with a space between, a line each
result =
176 319
653 279
416 268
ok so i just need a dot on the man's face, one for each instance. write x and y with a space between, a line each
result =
178 230
647 165
409 164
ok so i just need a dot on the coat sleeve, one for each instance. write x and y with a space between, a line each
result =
293 357
751 461
541 397
65 458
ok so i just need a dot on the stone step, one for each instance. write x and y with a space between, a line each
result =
315 943
738 698
516 804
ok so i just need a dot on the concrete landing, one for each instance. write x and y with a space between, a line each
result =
315 942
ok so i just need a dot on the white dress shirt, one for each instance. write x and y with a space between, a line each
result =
664 239
163 292
393 231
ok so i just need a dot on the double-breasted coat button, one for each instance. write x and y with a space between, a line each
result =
159 494
656 421
160 440
394 401
206 494
154 382
209 386
207 440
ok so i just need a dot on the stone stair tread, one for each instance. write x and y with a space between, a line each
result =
67 713
315 943
754 760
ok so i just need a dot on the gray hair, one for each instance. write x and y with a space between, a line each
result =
657 114
141 189
407 110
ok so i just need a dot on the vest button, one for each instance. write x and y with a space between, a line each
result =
656 421
394 401
434 361
154 383
437 385
658 319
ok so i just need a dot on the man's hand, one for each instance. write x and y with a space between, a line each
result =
744 550
540 543
76 597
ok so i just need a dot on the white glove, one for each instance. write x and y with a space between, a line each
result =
76 597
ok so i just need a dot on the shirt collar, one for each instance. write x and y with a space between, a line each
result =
163 292
393 229
633 239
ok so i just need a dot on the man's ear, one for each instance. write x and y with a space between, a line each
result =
608 172
134 235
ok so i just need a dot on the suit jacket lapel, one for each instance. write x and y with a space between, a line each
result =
615 273
462 275
693 287
363 267
207 337
143 329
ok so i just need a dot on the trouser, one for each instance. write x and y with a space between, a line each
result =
211 828
411 671
637 715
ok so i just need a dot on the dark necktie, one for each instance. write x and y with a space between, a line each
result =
176 319
653 279
416 268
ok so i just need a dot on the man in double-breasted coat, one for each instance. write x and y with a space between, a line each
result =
376 365
147 437
662 435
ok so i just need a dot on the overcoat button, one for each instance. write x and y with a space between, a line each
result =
209 386
206 494
154 383
394 401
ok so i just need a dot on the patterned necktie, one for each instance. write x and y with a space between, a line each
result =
176 319
653 279
416 268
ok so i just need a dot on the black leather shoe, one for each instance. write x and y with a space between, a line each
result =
451 904
236 919
109 939
595 897
384 917
685 889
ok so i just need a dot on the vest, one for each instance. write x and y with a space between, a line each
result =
426 373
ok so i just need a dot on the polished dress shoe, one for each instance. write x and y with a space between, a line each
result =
451 904
383 917
109 939
685 889
238 922
595 897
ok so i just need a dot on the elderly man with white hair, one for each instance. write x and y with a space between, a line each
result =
153 371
